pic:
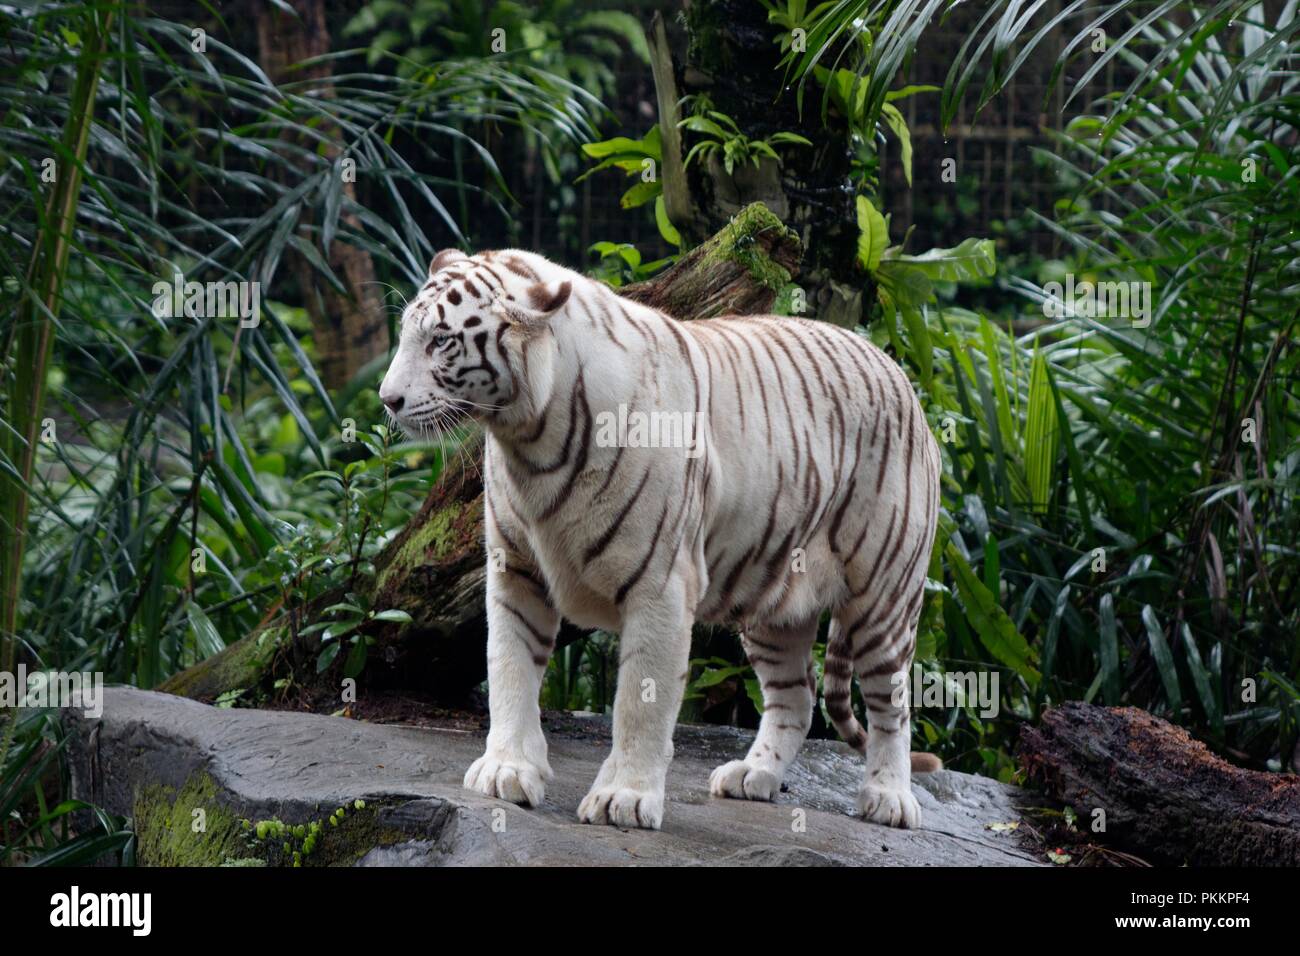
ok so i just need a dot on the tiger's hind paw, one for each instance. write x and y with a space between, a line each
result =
892 808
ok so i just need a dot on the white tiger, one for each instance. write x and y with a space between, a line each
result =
817 489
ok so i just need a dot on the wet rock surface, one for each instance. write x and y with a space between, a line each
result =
257 764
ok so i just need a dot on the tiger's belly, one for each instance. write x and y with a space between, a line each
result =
584 607
812 582
774 587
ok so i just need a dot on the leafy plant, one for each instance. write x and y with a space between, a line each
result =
29 336
863 39
638 158
620 263
791 16
641 159
905 284
559 36
848 94
721 137
36 816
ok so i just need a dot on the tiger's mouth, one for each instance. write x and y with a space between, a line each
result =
454 415
437 414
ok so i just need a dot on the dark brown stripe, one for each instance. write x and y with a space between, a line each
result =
542 639
603 542
645 563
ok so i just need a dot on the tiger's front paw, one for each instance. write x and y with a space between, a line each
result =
512 778
742 781
892 808
623 807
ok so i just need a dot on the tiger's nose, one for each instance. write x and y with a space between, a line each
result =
394 403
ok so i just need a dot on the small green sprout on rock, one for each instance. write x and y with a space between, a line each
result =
294 844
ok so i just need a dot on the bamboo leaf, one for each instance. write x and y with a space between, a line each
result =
970 260
1164 661
206 639
1108 644
995 629
895 121
1042 435
1201 680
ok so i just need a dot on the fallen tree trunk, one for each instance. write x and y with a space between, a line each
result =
434 569
1164 795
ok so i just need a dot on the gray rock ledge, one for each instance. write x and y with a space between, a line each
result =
161 759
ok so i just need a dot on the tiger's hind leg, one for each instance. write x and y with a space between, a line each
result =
782 659
886 792
878 628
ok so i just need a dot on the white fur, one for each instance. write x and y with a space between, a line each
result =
796 458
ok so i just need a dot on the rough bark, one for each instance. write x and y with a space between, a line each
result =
677 196
434 569
739 270
732 58
347 324
1165 795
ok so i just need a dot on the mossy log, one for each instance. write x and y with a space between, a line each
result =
740 270
434 569
1161 794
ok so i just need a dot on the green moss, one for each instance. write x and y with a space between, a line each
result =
737 242
165 822
240 665
440 536
784 304
166 836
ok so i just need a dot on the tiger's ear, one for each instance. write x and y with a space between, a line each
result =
549 297
532 315
444 259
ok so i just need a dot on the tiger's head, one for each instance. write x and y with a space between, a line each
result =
463 338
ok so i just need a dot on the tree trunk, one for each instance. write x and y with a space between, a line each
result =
1165 796
347 326
733 60
434 569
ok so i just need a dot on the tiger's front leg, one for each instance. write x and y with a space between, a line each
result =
654 652
522 626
